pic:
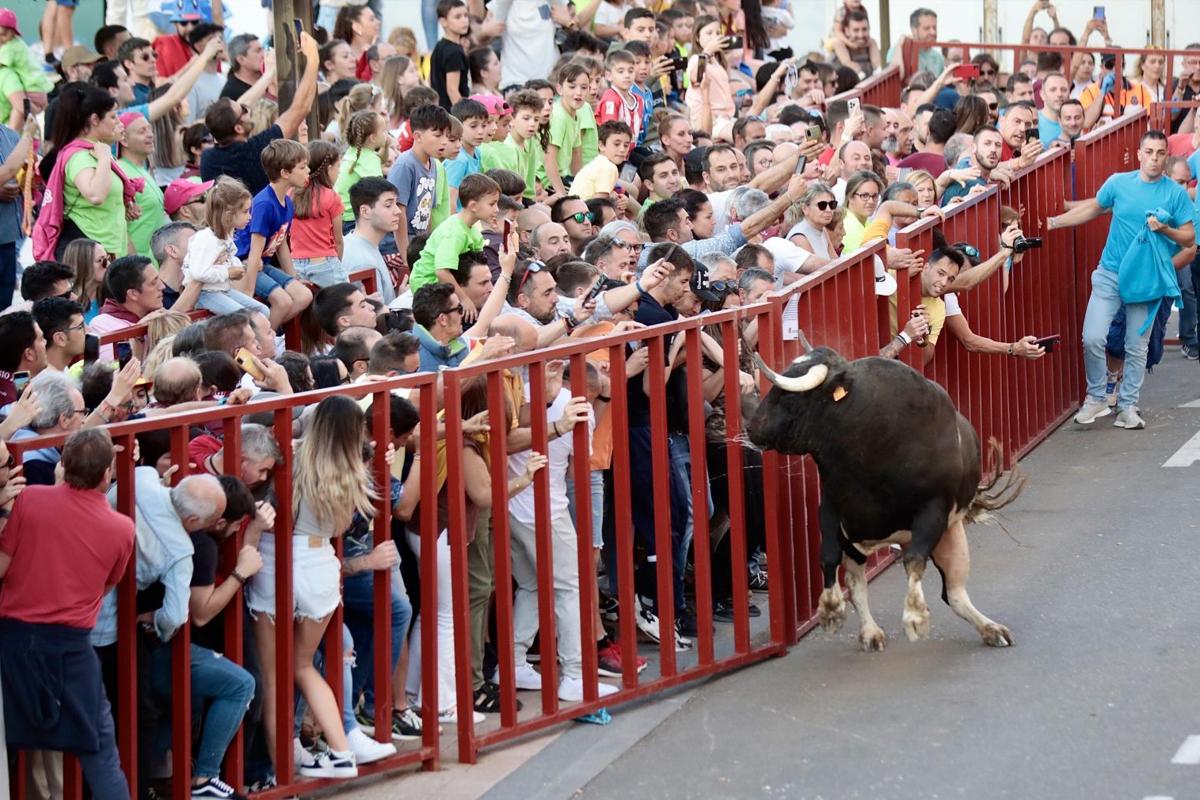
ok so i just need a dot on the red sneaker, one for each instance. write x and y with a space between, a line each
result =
609 662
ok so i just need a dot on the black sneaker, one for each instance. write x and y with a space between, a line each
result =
685 623
723 611
263 785
406 725
216 788
757 581
609 608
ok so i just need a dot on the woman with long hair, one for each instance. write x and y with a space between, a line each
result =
337 61
90 262
330 483
1083 73
862 198
484 66
399 74
87 193
137 145
744 18
1150 70
168 158
358 26
709 96
971 115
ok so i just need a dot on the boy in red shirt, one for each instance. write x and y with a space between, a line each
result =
619 103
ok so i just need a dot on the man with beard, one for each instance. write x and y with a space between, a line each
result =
988 148
548 240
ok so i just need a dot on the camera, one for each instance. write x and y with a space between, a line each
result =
1023 243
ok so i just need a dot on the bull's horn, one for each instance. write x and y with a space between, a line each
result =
808 348
809 380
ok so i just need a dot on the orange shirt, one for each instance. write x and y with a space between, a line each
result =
1135 95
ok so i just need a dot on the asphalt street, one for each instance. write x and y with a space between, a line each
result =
1098 577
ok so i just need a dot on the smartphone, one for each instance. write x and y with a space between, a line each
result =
628 172
1098 12
594 293
801 163
701 63
91 348
1032 134
1048 342
853 106
299 29
26 107
20 381
124 352
814 132
245 360
735 43
965 72
504 236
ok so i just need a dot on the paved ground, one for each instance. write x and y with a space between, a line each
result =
1099 588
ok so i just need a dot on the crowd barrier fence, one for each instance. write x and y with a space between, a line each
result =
881 89
1015 401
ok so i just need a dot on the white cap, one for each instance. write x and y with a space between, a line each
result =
885 282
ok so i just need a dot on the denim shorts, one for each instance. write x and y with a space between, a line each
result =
268 280
316 579
325 271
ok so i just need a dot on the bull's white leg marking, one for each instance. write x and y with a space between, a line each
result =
832 608
954 558
916 612
1188 752
870 635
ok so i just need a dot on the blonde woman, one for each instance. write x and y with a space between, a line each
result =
926 186
1150 70
330 484
164 325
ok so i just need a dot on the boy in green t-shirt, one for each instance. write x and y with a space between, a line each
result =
442 202
521 152
480 197
564 155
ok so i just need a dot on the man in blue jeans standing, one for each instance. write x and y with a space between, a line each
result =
1131 196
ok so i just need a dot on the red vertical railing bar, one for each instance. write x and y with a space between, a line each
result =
381 583
660 466
623 514
730 346
430 730
701 546
285 673
233 766
502 549
588 600
127 689
538 403
181 661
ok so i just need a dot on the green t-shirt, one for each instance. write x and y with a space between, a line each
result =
150 201
104 224
448 241
589 133
564 134
356 165
441 196
19 73
499 155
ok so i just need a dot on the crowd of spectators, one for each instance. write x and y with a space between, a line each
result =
547 173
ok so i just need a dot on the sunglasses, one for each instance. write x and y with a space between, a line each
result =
189 22
968 249
148 55
827 205
458 309
530 268
724 287
581 217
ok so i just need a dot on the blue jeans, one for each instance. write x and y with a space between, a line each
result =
1102 307
325 272
229 302
224 686
1187 314
358 600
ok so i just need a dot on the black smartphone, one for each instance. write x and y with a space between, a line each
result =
27 107
597 288
1098 12
1032 134
124 352
701 64
504 236
91 348
1048 342
299 29
735 43
801 164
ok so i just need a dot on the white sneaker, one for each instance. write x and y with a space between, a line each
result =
528 678
366 750
570 690
1129 419
331 764
301 756
450 717
1092 410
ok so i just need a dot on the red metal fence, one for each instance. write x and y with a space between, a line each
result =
1015 401
881 89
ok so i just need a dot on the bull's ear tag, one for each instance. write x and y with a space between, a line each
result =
839 392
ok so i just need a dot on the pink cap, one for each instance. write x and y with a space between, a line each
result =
8 19
181 192
130 117
496 106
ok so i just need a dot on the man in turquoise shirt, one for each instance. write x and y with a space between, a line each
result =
1130 196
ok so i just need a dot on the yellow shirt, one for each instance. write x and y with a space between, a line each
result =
935 307
854 230
595 179
875 229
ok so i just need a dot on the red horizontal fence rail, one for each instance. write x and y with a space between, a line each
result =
881 89
422 387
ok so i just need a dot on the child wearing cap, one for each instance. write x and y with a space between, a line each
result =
21 78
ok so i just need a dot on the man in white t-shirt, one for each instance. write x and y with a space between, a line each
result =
376 214
528 38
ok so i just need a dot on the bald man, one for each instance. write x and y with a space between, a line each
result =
549 240
529 219
177 380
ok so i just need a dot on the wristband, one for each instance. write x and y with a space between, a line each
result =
638 283
1010 350
904 338
238 577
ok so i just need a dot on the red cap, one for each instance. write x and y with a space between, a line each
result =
8 19
181 191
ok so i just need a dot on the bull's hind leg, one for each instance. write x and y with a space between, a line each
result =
953 559
916 612
870 635
831 606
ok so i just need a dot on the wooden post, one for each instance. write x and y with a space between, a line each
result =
1158 23
289 64
885 26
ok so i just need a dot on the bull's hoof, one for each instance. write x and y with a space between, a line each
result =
872 638
996 635
831 609
916 623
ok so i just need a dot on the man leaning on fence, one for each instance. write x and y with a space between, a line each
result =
53 694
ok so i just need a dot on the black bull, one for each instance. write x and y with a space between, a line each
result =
898 464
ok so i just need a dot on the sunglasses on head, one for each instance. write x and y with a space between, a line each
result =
723 287
967 249
826 205
530 268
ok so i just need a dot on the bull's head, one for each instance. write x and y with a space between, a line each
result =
785 419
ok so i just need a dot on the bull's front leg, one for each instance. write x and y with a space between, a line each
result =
831 607
870 635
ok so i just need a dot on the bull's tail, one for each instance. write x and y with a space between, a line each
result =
999 491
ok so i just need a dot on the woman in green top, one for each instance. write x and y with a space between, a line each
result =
135 149
365 133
